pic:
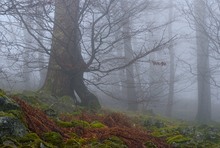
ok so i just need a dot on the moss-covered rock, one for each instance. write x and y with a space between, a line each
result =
9 143
11 123
178 139
53 138
80 123
30 137
64 124
112 142
115 142
72 143
11 126
7 104
97 124
32 140
150 144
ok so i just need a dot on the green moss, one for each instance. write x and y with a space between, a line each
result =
178 139
6 114
115 142
165 132
80 123
64 124
10 142
2 93
17 113
150 144
112 142
53 138
30 137
32 98
96 124
66 99
72 143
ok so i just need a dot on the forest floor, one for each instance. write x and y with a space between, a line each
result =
107 129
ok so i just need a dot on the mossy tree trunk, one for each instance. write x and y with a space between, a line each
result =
66 65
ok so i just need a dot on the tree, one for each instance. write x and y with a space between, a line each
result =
27 55
130 82
81 41
203 71
66 65
41 53
172 72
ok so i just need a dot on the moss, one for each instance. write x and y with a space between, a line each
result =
115 142
64 124
75 123
33 98
6 114
112 142
150 144
38 143
96 124
2 93
78 110
53 138
10 141
177 139
66 99
80 123
17 113
72 143
30 137
51 113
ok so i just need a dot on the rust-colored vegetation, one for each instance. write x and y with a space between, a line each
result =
116 124
37 121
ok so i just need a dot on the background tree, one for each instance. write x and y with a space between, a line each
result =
130 82
203 71
172 68
199 15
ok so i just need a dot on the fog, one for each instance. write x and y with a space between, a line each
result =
134 52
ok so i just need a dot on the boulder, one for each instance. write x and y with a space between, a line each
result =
10 118
11 126
7 104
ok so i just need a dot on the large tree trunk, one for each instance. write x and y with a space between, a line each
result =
66 65
203 76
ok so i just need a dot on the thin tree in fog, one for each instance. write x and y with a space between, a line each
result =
41 53
28 41
172 70
203 71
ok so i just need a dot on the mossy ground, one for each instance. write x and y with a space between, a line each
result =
106 129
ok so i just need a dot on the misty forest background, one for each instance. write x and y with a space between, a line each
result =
136 55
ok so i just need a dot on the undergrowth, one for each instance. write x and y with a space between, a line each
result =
107 129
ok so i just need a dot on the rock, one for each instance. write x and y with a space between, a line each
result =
12 126
50 112
7 104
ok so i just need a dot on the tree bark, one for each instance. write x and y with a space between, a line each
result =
66 65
